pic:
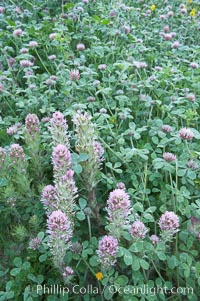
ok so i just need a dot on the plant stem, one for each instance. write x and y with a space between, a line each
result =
91 270
41 61
157 271
89 227
174 201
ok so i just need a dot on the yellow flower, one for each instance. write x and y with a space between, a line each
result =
153 7
189 1
99 276
112 119
193 12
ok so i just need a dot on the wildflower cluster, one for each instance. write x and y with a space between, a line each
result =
58 200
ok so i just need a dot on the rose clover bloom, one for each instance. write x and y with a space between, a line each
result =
35 243
74 75
33 44
169 157
80 46
191 164
12 130
17 32
26 63
68 271
169 222
186 134
166 128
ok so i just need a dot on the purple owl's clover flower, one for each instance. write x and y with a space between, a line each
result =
32 124
16 152
107 251
59 226
61 158
49 198
138 230
118 209
59 129
60 233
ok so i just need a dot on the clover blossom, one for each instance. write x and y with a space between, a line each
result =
186 134
192 164
80 46
169 157
166 128
35 243
169 222
33 44
13 129
74 75
26 63
17 32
